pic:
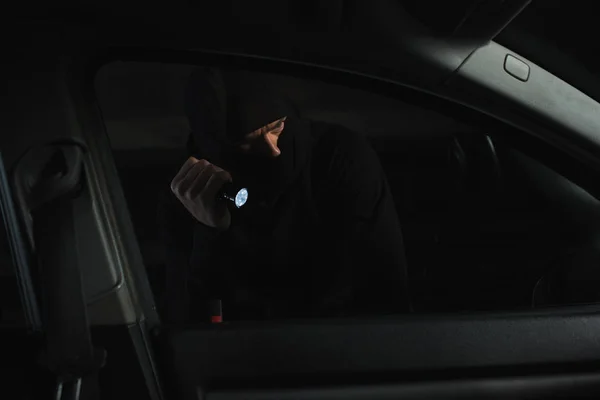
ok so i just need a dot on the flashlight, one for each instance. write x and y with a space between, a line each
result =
236 194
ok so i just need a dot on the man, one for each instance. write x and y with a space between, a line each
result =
319 235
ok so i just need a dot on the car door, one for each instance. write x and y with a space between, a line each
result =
539 352
495 352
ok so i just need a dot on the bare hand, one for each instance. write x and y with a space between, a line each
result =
197 185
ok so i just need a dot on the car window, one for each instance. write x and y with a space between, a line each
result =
355 203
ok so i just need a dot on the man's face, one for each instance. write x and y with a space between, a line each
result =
263 141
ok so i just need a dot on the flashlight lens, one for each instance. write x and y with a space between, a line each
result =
241 197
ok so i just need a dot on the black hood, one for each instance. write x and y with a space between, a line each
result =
251 106
222 110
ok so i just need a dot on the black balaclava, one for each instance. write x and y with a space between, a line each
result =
222 111
205 107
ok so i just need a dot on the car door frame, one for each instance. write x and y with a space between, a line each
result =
431 349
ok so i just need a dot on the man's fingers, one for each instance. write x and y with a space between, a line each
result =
200 181
186 183
187 167
199 178
214 184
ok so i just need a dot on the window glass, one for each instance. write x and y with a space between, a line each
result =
258 196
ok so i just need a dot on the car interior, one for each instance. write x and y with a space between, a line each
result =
485 116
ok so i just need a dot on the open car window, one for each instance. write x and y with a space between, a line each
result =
485 224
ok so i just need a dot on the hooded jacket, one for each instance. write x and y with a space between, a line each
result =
319 235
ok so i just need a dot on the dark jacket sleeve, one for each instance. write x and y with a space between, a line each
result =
189 249
357 205
177 236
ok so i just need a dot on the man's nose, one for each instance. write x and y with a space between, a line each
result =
271 145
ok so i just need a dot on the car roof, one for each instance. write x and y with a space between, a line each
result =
386 38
